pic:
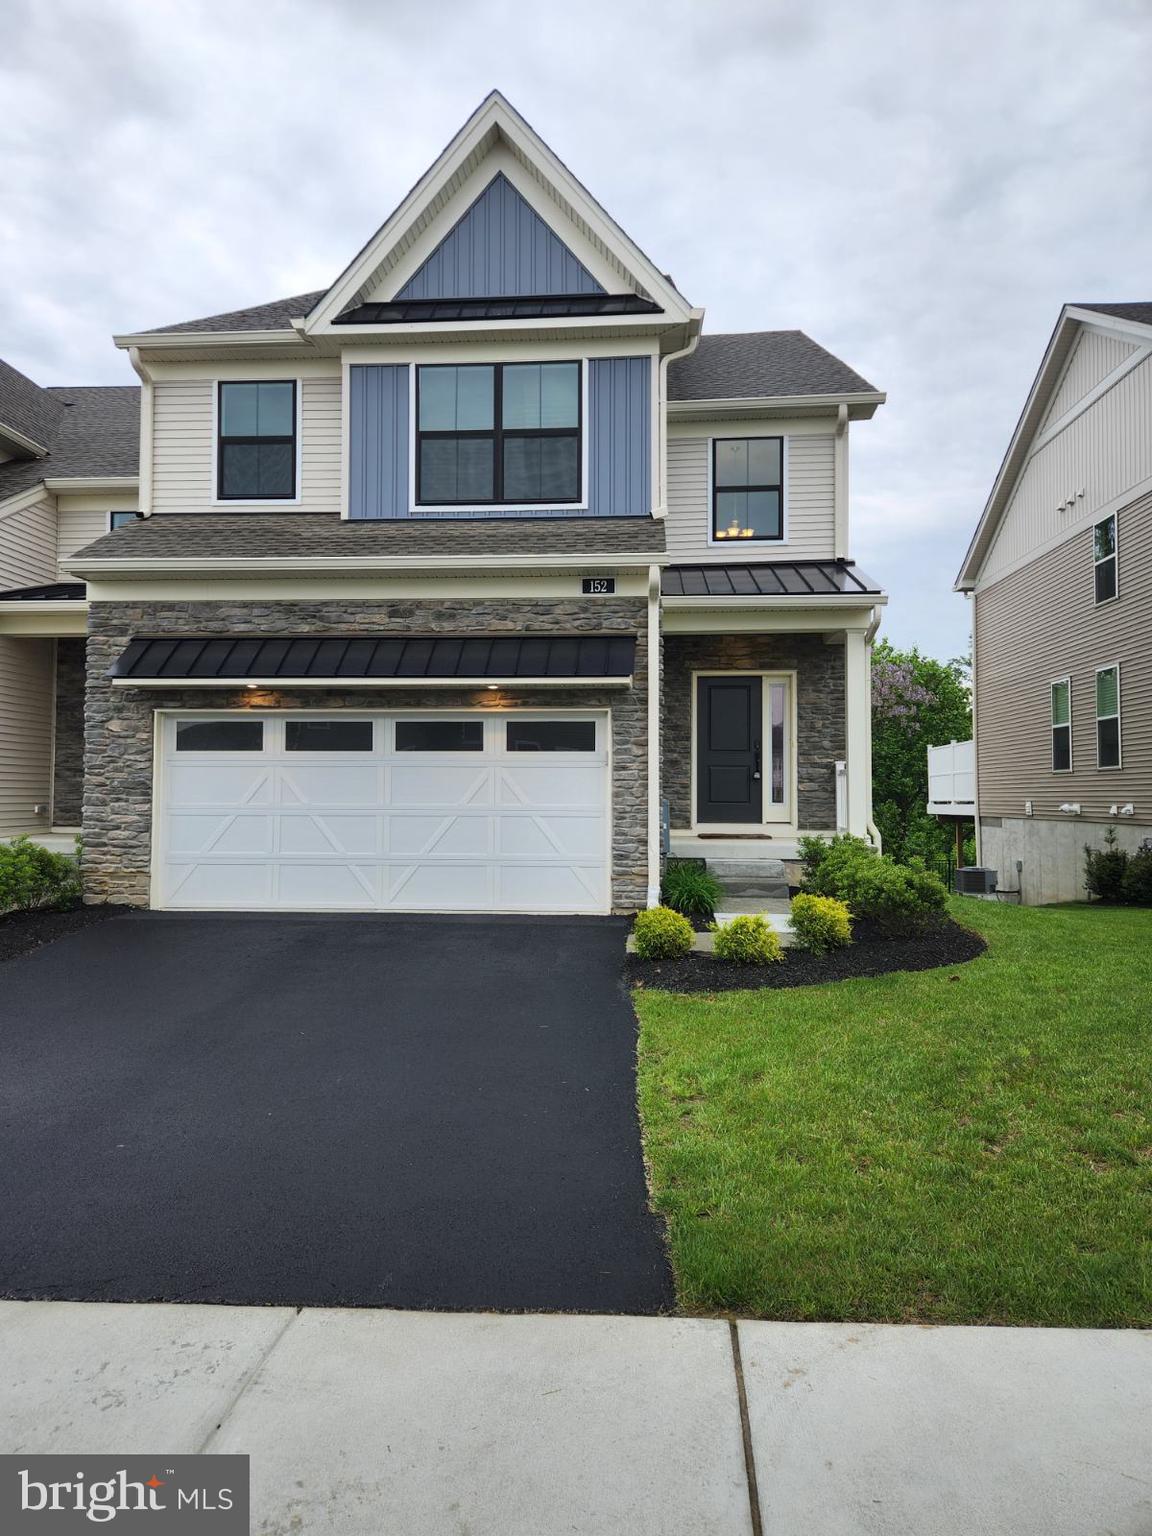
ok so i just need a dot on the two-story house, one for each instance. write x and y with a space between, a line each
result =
445 580
1059 574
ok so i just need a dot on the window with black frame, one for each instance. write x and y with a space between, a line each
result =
504 434
256 454
748 488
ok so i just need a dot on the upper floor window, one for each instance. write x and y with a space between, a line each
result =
748 488
1062 725
498 433
256 451
1108 717
119 519
1104 555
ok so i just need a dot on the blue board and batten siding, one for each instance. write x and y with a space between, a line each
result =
501 248
618 421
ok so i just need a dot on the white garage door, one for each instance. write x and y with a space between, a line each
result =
428 812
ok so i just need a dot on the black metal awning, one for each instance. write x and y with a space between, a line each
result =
376 660
554 306
775 578
52 592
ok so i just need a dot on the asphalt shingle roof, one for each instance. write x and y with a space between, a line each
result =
97 432
275 316
25 407
1141 312
749 365
243 535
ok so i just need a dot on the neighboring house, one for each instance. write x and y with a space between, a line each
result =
446 576
1060 576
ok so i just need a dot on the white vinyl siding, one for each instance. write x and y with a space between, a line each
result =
1106 452
184 451
1093 359
26 701
28 545
809 497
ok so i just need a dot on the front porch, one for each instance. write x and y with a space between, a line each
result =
42 666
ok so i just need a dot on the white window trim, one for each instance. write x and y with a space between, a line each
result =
277 501
713 541
1112 666
1053 727
1114 519
417 509
788 821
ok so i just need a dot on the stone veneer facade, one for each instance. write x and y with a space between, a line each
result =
68 734
119 721
820 731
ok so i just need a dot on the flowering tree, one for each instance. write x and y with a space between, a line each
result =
917 703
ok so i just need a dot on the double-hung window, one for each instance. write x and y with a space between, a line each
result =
748 488
500 434
1108 717
1062 725
1104 558
256 448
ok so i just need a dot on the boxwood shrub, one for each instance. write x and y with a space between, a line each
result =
901 898
748 940
32 877
820 923
661 934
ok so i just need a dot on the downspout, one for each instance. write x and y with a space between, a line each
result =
840 484
870 635
146 431
660 508
655 679
971 595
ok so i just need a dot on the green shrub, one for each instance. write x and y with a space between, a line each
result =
1137 888
748 940
31 877
1105 869
821 923
901 898
688 887
661 934
831 866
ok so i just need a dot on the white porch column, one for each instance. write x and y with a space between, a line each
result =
858 729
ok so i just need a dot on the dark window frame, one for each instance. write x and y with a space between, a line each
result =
125 515
1100 563
223 438
497 435
1066 683
714 536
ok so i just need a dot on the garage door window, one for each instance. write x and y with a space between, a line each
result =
328 736
220 736
439 735
551 735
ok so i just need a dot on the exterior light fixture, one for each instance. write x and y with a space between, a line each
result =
493 687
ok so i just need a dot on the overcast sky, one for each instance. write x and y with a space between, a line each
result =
917 186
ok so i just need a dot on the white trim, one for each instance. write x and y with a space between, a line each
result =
787 822
147 431
346 436
417 509
1112 666
43 620
749 544
797 405
783 599
1055 683
655 698
840 541
23 499
273 505
76 485
350 684
18 439
1086 402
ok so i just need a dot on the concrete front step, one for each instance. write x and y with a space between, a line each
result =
746 880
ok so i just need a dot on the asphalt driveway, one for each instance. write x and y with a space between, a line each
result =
341 1111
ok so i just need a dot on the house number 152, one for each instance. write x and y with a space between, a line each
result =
596 586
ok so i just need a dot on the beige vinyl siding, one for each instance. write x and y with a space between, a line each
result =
28 544
1039 624
25 733
1106 451
183 455
809 496
1093 358
83 516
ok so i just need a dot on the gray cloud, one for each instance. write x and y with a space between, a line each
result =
918 187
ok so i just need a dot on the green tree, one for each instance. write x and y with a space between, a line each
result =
917 703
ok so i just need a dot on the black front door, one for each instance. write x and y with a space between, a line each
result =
729 782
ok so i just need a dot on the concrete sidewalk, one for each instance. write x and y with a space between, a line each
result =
373 1423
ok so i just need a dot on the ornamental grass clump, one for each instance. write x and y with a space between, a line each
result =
820 923
748 940
661 934
687 887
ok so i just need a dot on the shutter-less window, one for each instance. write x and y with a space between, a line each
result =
1108 717
1062 726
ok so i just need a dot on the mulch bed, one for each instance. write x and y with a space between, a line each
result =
871 953
21 932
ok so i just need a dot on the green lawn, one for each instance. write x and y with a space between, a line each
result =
965 1145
